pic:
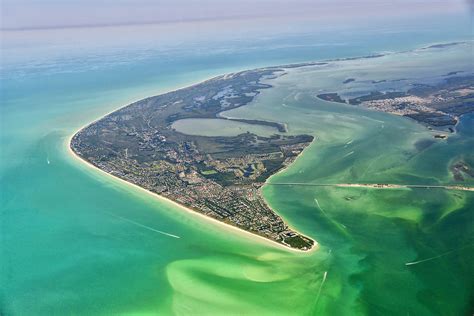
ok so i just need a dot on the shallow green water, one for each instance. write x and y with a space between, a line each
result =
220 127
369 235
66 248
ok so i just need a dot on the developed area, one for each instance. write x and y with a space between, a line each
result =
220 177
436 105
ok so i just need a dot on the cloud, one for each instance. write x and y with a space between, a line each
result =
18 14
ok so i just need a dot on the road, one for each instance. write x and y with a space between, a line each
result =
379 185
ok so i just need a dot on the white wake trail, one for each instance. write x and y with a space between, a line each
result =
143 226
427 259
321 287
319 206
436 257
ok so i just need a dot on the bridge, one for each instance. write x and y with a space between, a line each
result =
375 185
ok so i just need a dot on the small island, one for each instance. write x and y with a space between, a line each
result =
434 105
221 176
218 176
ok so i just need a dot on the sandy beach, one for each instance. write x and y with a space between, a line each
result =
211 220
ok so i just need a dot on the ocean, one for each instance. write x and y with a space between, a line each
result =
75 241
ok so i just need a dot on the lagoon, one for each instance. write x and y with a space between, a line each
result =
62 252
220 127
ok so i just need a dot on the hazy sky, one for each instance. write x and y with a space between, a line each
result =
19 14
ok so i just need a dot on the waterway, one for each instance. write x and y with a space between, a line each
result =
74 241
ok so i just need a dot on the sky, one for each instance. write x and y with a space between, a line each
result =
32 14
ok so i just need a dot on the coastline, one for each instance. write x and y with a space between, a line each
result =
211 220
236 229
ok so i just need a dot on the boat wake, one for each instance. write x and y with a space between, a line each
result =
321 287
142 226
436 257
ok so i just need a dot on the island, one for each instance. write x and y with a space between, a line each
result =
435 105
220 176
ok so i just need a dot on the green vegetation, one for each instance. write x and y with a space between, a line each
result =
219 176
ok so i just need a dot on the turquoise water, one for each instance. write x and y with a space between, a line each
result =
65 248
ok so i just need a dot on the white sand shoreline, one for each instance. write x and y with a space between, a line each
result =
235 229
